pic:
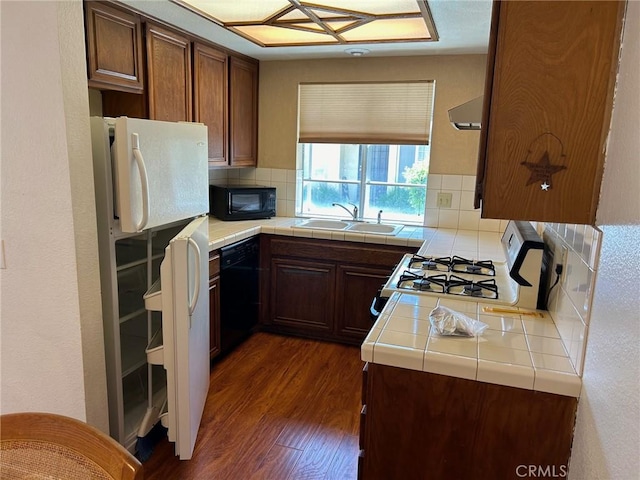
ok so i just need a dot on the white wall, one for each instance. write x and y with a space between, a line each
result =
607 439
458 78
52 349
620 192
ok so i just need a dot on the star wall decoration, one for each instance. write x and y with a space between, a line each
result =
542 171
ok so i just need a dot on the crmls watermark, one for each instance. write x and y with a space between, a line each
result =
541 471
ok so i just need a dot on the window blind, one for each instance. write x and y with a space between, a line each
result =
366 113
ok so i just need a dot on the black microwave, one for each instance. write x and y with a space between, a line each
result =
242 202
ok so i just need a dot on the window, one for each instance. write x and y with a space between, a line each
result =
391 178
367 145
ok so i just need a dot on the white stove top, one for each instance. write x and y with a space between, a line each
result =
445 279
514 277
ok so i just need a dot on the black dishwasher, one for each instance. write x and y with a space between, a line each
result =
238 291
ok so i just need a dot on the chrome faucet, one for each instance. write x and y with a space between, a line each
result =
353 214
379 216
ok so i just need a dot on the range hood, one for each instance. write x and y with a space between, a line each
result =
467 116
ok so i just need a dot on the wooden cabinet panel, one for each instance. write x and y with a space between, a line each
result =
356 288
419 422
211 87
298 288
243 108
214 305
118 104
169 75
549 99
365 373
214 317
114 48
322 288
366 254
210 92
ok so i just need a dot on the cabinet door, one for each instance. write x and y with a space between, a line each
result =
302 295
549 100
214 317
114 48
243 85
210 92
169 75
214 304
498 428
355 289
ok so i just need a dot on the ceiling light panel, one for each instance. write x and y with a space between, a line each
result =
275 36
377 7
231 11
298 22
409 29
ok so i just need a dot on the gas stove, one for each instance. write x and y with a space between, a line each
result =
515 281
465 278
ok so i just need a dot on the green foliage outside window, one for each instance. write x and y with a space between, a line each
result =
417 174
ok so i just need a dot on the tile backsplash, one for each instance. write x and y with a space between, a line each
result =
283 179
576 248
461 215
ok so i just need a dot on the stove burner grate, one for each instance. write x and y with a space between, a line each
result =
481 288
431 283
477 267
430 263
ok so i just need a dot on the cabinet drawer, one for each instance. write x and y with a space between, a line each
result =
214 264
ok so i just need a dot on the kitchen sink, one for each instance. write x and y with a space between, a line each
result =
375 228
360 227
321 224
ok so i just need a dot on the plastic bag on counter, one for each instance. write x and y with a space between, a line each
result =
449 322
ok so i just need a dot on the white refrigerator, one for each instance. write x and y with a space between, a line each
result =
151 181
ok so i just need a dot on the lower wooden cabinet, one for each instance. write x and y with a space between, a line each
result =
296 286
214 304
421 425
322 288
355 289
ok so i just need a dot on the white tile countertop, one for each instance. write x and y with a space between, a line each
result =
225 233
435 241
515 350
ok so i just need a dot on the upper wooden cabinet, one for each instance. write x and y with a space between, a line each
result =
114 48
186 80
169 74
211 97
243 108
548 99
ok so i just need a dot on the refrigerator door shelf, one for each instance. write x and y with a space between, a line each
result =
153 297
155 349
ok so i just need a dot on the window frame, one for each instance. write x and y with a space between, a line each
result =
363 181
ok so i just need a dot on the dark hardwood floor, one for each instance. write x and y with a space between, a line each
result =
279 408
